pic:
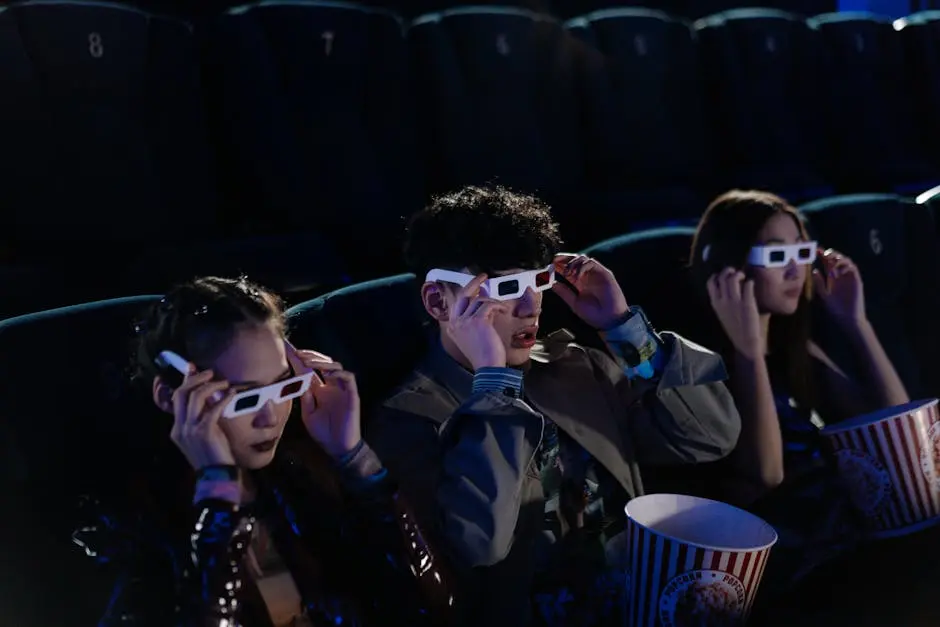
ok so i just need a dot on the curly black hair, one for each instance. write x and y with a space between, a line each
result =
486 229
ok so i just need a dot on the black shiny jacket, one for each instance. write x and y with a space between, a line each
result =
358 559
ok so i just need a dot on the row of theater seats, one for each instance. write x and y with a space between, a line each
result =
70 424
139 149
689 9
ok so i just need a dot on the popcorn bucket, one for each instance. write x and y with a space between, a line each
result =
693 562
890 462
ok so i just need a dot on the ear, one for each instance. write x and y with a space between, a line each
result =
434 299
162 395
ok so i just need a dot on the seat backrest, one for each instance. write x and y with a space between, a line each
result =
300 262
375 329
65 395
314 108
499 103
920 39
651 269
640 80
758 78
862 61
110 143
70 425
874 231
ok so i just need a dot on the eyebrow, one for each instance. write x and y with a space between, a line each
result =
257 384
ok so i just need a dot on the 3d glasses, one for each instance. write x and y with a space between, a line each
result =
247 401
250 401
508 287
780 255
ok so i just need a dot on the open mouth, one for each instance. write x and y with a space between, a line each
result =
264 447
525 338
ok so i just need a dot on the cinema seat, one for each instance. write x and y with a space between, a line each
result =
373 328
104 141
495 87
760 79
70 425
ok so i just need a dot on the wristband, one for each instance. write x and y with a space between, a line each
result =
218 472
228 491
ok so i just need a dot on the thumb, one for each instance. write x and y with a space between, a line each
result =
819 283
565 292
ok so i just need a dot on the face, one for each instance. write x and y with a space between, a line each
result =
517 329
778 290
255 358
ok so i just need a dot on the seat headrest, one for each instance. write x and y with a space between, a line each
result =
374 328
66 403
651 268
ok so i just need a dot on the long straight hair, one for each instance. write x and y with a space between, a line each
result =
724 237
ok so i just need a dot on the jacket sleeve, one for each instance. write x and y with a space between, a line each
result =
686 415
407 574
463 475
157 584
213 582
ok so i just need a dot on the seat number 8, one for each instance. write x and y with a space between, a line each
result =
95 45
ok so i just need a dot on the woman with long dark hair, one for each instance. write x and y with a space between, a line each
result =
753 259
267 511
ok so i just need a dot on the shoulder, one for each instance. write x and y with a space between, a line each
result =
419 397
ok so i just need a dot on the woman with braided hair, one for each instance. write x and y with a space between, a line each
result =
286 516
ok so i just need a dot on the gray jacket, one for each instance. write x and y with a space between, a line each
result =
465 461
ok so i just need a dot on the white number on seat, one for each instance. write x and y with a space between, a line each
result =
95 45
639 44
874 240
502 45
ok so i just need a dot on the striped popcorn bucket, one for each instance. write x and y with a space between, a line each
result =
890 463
693 562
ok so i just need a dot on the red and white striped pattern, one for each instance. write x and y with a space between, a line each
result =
673 583
892 465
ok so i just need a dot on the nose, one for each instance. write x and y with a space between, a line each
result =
527 305
792 269
266 417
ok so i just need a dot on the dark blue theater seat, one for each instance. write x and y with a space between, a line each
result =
313 105
868 113
303 263
375 329
893 242
920 39
644 134
761 96
69 425
650 266
496 89
103 136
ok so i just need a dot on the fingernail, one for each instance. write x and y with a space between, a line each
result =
217 396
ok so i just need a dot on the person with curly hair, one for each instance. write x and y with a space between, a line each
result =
519 452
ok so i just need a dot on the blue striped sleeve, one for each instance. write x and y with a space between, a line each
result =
498 380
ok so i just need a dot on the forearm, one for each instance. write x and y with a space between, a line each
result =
759 453
886 387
